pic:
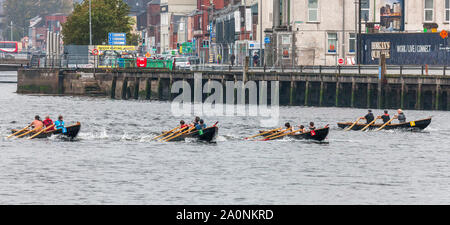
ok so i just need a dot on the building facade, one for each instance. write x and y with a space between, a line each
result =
326 30
174 13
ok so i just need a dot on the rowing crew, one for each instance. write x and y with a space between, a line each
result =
385 117
37 125
302 129
197 123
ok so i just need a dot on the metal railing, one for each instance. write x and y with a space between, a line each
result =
84 61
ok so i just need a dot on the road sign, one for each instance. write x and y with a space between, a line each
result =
95 52
444 34
117 39
341 61
267 40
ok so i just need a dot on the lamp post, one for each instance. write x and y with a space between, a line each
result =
359 33
261 58
90 23
12 31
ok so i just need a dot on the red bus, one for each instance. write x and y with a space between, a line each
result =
9 46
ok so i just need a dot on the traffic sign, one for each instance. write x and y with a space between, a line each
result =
341 61
117 38
444 34
95 51
267 40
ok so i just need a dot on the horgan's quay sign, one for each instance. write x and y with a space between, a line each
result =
406 48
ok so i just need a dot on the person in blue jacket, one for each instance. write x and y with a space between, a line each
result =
59 124
200 126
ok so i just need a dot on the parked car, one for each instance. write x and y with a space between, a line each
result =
182 63
194 60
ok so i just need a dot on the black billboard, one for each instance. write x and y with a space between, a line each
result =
406 48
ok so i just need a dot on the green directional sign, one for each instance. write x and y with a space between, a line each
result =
186 47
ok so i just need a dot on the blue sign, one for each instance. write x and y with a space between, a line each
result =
267 40
117 39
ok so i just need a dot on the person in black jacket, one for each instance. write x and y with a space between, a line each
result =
369 117
385 117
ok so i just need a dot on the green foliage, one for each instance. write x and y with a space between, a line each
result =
108 16
133 39
21 11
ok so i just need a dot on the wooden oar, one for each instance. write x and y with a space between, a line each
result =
388 122
35 129
277 133
282 135
349 128
264 133
20 131
176 132
370 124
166 133
187 131
48 128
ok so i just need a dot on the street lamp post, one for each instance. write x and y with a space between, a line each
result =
90 23
359 33
260 35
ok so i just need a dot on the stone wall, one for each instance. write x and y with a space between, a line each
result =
298 89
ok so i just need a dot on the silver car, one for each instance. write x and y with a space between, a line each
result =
182 63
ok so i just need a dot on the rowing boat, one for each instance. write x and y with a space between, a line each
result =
317 135
209 135
410 126
72 132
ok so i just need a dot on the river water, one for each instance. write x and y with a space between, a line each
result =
114 160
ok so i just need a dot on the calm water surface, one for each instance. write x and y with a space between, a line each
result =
114 161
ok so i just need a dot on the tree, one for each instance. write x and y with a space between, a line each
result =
21 11
108 16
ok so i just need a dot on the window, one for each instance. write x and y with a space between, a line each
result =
313 10
365 9
352 43
447 10
332 42
428 10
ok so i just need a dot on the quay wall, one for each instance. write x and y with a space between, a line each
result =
421 92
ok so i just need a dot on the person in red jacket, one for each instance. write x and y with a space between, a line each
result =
48 122
183 124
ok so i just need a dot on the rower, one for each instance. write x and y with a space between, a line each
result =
200 126
59 124
302 129
311 126
37 124
196 121
401 116
385 117
288 127
369 117
183 124
48 122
